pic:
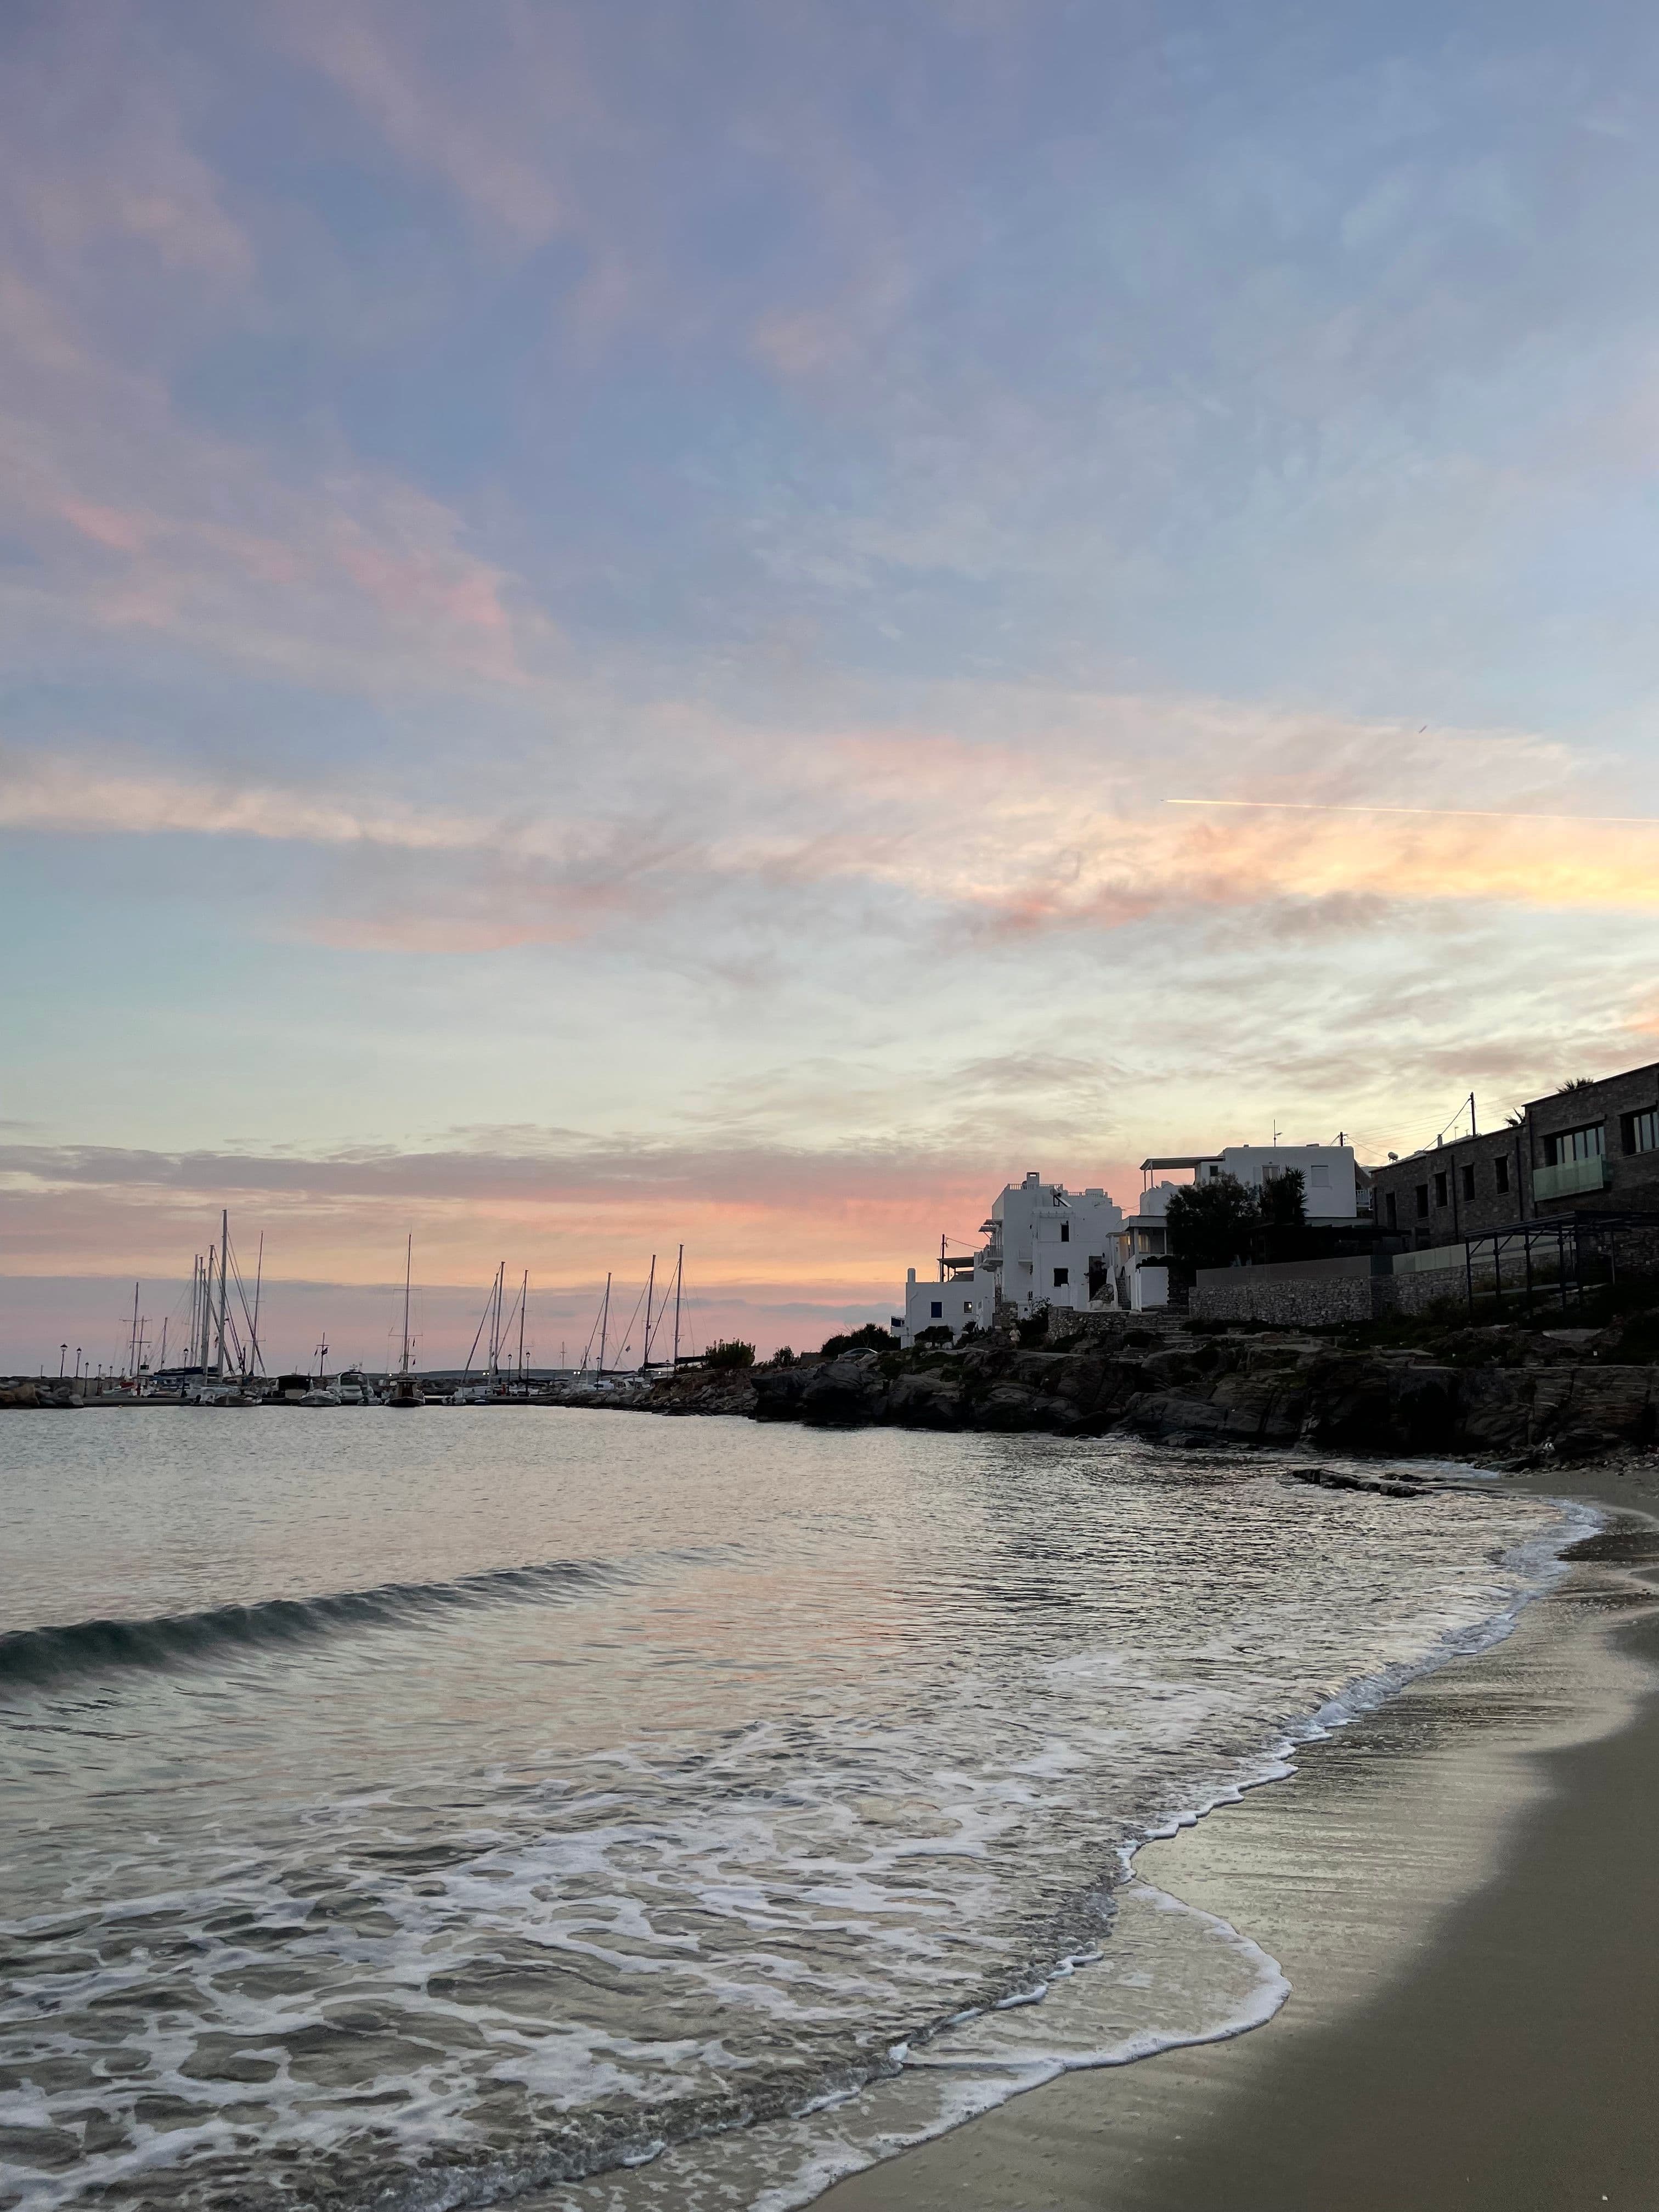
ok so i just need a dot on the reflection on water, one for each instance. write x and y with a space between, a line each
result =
404 1811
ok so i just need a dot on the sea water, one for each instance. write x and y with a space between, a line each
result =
415 1809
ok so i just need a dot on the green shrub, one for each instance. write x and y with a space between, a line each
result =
730 1352
868 1339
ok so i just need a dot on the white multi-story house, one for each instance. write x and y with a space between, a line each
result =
1334 1191
1045 1246
1332 1188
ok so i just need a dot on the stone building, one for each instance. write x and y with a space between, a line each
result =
1594 1148
1590 1149
1463 1188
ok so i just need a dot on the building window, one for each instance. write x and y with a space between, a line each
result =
1440 1193
1391 1207
1422 1201
1319 1176
939 1309
1469 1182
1062 1276
1500 1175
1064 1232
1569 1145
1641 1131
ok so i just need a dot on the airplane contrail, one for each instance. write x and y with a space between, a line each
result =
1456 813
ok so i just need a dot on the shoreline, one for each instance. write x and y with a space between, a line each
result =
1456 1884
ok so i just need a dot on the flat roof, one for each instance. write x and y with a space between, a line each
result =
1193 1160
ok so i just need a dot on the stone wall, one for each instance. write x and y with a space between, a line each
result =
1293 1302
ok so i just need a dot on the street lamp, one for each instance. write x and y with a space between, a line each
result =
63 1354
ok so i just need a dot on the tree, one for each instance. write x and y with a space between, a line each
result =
1283 1213
1211 1224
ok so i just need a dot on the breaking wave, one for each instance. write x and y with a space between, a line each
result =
45 1658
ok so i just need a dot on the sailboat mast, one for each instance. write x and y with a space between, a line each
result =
679 1269
408 1256
604 1319
132 1357
524 1299
224 1268
650 1285
255 1361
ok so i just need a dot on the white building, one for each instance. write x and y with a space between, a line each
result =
1332 1189
1334 1192
1045 1246
950 1303
1140 1274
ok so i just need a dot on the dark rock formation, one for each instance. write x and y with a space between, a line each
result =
1493 1394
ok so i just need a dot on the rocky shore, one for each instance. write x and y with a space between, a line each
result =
1496 1393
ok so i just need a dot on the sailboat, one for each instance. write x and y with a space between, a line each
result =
405 1389
220 1387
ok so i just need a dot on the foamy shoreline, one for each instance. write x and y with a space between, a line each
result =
1361 1877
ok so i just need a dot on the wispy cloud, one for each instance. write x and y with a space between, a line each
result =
958 828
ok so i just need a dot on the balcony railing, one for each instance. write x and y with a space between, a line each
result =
1571 1178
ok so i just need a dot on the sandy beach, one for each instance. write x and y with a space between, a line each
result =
1462 1890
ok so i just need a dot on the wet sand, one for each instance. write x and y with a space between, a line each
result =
1463 1889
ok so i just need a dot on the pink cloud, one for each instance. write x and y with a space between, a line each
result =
107 526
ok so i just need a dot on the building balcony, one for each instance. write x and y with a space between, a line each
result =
1571 1179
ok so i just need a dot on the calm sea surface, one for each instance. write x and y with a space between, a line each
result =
417 1809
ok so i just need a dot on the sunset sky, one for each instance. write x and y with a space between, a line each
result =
604 606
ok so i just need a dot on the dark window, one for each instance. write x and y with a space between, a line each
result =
939 1309
1422 1199
1440 1187
1064 1232
1569 1145
1062 1276
1641 1132
1393 1207
1500 1174
1469 1182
